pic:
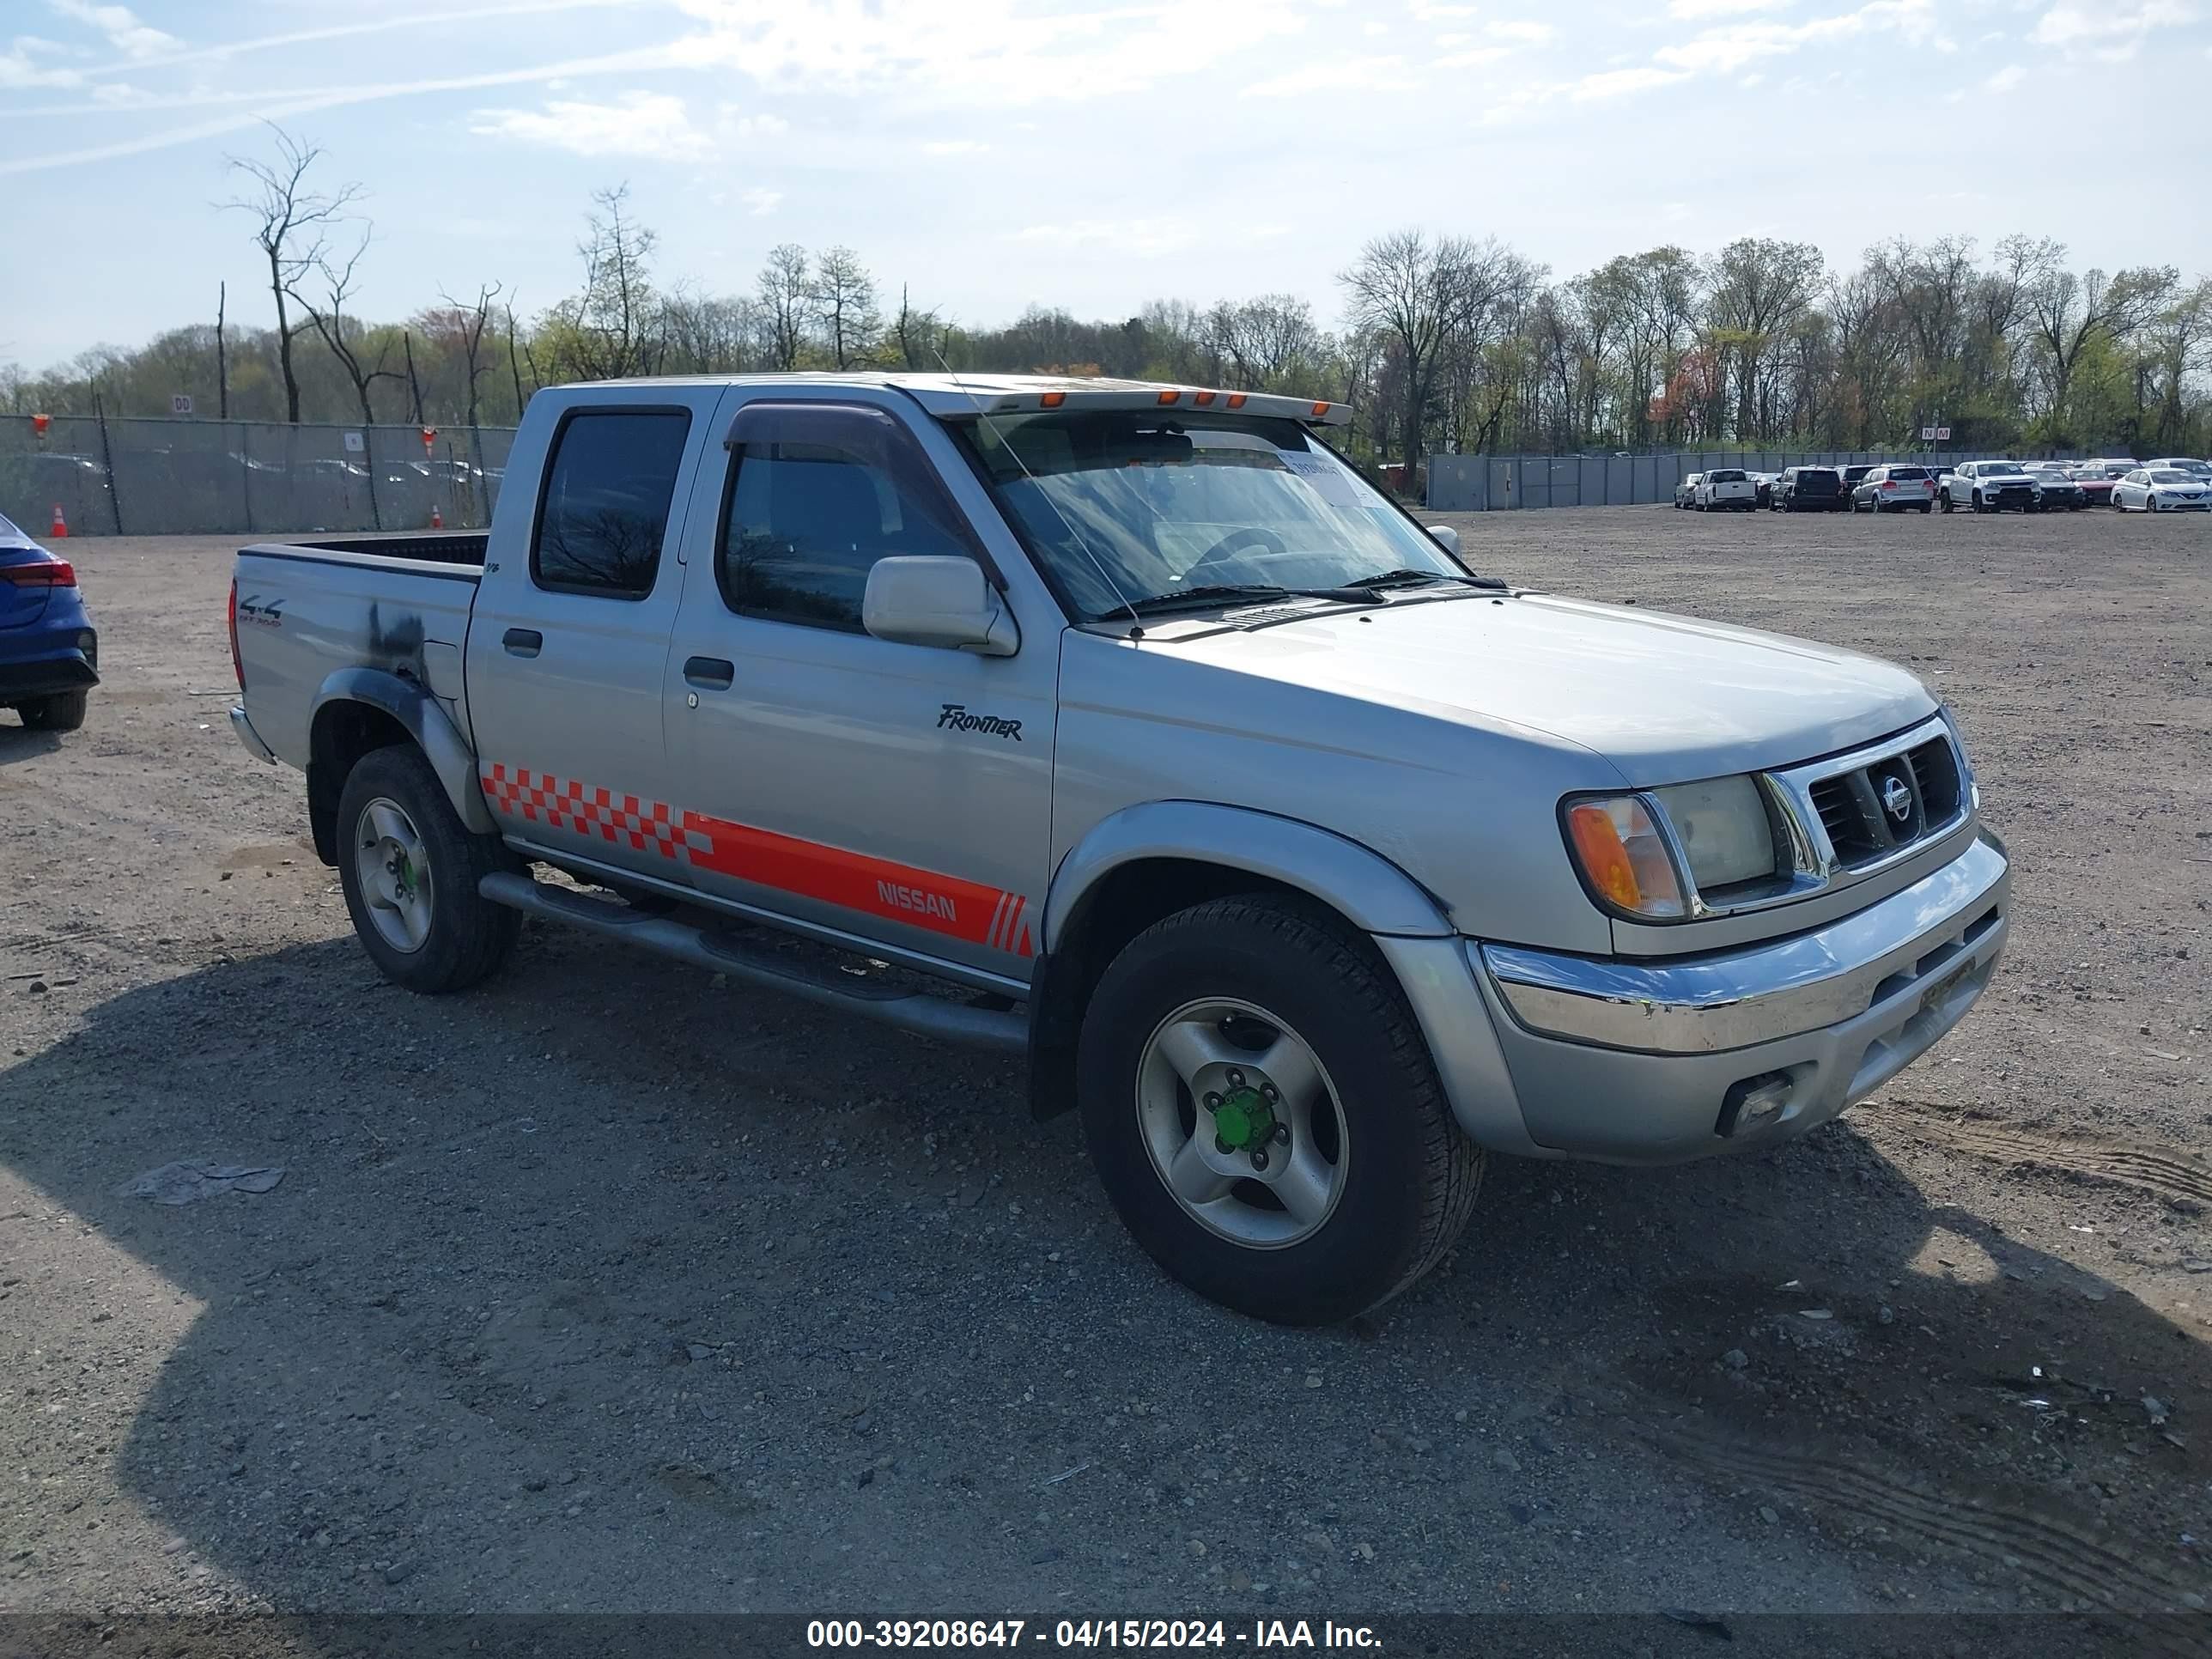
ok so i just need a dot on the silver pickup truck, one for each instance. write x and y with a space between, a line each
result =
1125 726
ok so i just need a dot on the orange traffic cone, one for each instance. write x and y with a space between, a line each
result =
60 524
437 519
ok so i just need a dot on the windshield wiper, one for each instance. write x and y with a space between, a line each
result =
1209 593
1410 578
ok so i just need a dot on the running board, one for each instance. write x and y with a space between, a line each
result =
725 953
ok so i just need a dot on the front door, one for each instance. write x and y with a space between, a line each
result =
895 795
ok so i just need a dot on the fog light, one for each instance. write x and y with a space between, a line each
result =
1754 1104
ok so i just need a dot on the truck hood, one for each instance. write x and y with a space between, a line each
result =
1665 698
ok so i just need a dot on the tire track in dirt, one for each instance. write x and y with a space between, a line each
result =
2164 1173
2055 1557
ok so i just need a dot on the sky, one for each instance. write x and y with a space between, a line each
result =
995 154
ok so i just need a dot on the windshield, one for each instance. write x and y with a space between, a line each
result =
1127 505
1902 473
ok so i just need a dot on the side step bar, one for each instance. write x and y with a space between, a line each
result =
723 953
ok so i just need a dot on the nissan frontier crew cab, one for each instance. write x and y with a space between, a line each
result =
1125 727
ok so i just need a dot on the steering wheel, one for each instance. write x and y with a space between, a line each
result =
1235 542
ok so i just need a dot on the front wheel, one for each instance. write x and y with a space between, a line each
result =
1264 1114
62 712
1949 506
410 867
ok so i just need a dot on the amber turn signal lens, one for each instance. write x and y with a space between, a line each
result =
1624 858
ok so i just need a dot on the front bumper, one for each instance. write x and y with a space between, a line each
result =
1634 1062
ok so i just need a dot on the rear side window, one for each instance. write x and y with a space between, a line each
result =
605 513
1907 472
818 495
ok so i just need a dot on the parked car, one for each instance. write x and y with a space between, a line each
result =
2200 471
1894 488
2162 490
1853 476
49 651
1685 492
2096 482
1728 489
2057 487
1763 492
1990 487
1449 868
1809 489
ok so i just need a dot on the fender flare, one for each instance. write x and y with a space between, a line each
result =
1373 893
426 721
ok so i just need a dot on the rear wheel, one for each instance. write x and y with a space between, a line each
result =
62 712
410 869
1264 1114
1949 506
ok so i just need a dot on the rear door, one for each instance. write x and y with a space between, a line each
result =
569 641
897 795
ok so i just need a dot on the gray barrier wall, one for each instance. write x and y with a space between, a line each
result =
1479 484
155 478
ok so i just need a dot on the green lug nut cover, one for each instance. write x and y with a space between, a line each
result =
1242 1119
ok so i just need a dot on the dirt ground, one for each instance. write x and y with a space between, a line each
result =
599 1288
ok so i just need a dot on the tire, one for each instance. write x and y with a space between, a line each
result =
427 929
1239 978
1926 507
1949 506
1977 504
62 712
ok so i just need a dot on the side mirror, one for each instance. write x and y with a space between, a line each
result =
1446 537
944 602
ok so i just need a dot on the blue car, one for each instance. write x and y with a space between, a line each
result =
49 653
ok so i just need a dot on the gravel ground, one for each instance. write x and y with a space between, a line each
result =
602 1289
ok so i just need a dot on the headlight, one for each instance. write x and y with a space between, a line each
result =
1619 849
1646 855
1722 826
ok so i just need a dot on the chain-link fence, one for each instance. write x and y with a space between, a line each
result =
155 478
1477 483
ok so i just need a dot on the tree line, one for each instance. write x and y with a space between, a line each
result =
1443 342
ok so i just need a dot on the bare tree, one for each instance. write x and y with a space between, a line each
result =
844 297
336 279
468 324
612 329
290 219
918 334
785 296
1427 299
514 364
2070 312
221 353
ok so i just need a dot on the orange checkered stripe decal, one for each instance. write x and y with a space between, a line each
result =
853 881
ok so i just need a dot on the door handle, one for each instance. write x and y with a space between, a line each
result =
713 673
522 641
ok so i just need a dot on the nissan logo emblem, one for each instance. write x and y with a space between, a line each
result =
1897 798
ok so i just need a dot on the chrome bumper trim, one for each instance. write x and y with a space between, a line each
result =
1703 1005
248 738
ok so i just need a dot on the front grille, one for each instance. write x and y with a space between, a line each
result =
1874 810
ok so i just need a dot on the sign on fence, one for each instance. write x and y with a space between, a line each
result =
180 403
1927 434
353 443
1942 435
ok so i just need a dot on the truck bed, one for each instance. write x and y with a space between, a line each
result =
444 547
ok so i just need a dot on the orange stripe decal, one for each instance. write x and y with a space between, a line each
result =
942 904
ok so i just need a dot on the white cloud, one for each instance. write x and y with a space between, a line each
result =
1005 52
2117 33
2005 79
1721 49
20 68
1522 33
652 124
1341 74
955 146
1691 11
761 202
1141 238
1616 84
1473 57
120 27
